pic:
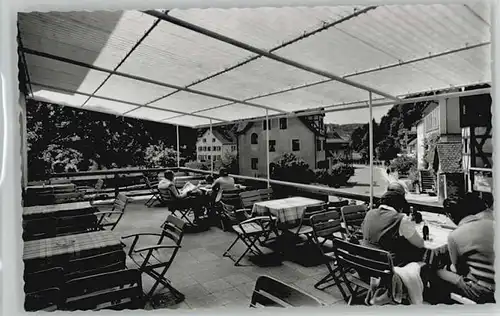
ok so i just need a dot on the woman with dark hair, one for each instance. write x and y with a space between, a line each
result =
224 181
387 228
470 246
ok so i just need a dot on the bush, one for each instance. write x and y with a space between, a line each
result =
292 169
197 165
160 156
403 164
341 173
322 176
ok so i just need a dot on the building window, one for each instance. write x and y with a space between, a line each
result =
218 157
233 147
208 148
204 140
283 123
254 162
318 144
295 145
264 124
199 148
324 144
254 139
213 140
272 145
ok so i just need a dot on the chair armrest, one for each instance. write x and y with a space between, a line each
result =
253 219
461 299
155 247
243 210
141 234
107 212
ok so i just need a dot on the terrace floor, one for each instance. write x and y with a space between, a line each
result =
205 277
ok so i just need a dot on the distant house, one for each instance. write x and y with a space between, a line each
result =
304 136
336 147
216 143
441 119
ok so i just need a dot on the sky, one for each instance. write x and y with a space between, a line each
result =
356 116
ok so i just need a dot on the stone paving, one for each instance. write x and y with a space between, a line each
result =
205 277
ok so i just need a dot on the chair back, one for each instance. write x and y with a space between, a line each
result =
120 202
231 197
43 279
113 290
101 263
48 299
353 215
248 198
266 194
366 261
173 228
270 292
338 203
326 224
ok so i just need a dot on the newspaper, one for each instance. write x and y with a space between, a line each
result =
187 188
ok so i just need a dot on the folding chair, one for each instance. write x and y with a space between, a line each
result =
270 292
152 186
327 227
266 194
230 215
149 259
112 217
101 263
367 262
304 227
353 216
251 231
116 290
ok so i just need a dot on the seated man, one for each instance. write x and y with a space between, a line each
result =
169 191
388 229
471 251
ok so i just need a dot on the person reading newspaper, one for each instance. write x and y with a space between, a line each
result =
187 197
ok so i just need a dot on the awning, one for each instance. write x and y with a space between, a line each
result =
199 66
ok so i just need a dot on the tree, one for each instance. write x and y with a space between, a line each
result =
160 156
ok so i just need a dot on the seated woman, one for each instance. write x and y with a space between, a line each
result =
388 229
169 191
224 181
471 250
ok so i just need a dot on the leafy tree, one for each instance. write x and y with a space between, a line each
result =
160 156
289 167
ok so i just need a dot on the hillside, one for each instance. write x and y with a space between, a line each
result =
344 130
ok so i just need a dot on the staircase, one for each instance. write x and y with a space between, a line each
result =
427 182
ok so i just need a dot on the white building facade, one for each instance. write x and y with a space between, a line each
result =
214 144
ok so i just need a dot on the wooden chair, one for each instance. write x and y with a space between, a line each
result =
327 227
353 216
43 279
39 228
304 226
367 262
251 231
116 290
45 300
153 188
461 300
149 259
338 203
230 197
101 263
266 194
109 219
230 215
270 292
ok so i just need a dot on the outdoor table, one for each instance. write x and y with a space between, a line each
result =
56 210
288 211
56 252
436 253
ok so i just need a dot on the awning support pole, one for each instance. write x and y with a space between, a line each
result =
178 147
267 148
371 148
211 148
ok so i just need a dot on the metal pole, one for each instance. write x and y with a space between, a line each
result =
371 148
267 149
211 149
178 147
